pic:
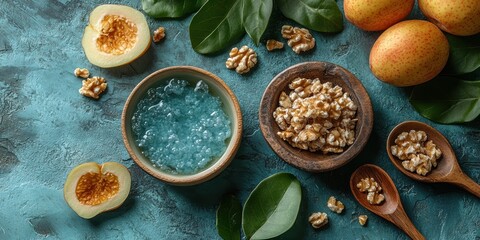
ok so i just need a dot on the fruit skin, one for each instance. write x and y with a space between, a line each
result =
376 15
91 33
458 17
89 211
409 53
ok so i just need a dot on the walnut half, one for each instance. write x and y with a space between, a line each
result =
93 87
242 60
299 39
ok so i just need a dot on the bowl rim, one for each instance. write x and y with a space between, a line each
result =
214 169
293 155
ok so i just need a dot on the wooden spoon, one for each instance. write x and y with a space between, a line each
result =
447 169
391 209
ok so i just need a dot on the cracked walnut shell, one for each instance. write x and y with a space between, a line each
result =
242 60
93 87
299 39
318 219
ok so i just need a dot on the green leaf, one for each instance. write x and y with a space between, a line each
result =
464 54
171 8
256 14
447 100
216 25
272 207
319 15
229 218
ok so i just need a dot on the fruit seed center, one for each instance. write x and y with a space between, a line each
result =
117 35
95 188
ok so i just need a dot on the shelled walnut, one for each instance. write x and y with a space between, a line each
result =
417 154
318 219
316 117
299 39
362 219
373 190
93 87
368 185
242 60
273 44
335 205
158 34
81 72
375 198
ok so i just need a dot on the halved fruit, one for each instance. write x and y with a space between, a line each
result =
116 35
92 188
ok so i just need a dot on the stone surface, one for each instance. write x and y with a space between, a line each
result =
47 128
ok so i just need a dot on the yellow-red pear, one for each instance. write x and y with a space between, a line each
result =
409 53
458 17
376 15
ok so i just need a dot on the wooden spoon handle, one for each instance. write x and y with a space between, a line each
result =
465 182
400 218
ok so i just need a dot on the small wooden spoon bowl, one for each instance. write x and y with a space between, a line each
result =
391 209
448 170
445 165
326 72
392 198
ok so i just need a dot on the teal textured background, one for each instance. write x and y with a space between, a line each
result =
47 128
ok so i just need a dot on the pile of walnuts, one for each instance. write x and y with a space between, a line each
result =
316 116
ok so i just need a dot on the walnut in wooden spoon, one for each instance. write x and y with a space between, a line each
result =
391 209
447 169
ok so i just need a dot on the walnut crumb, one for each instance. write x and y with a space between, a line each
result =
93 87
318 219
242 60
158 34
274 44
299 39
81 72
362 219
335 205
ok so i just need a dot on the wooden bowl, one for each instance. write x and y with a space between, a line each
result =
316 161
218 88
